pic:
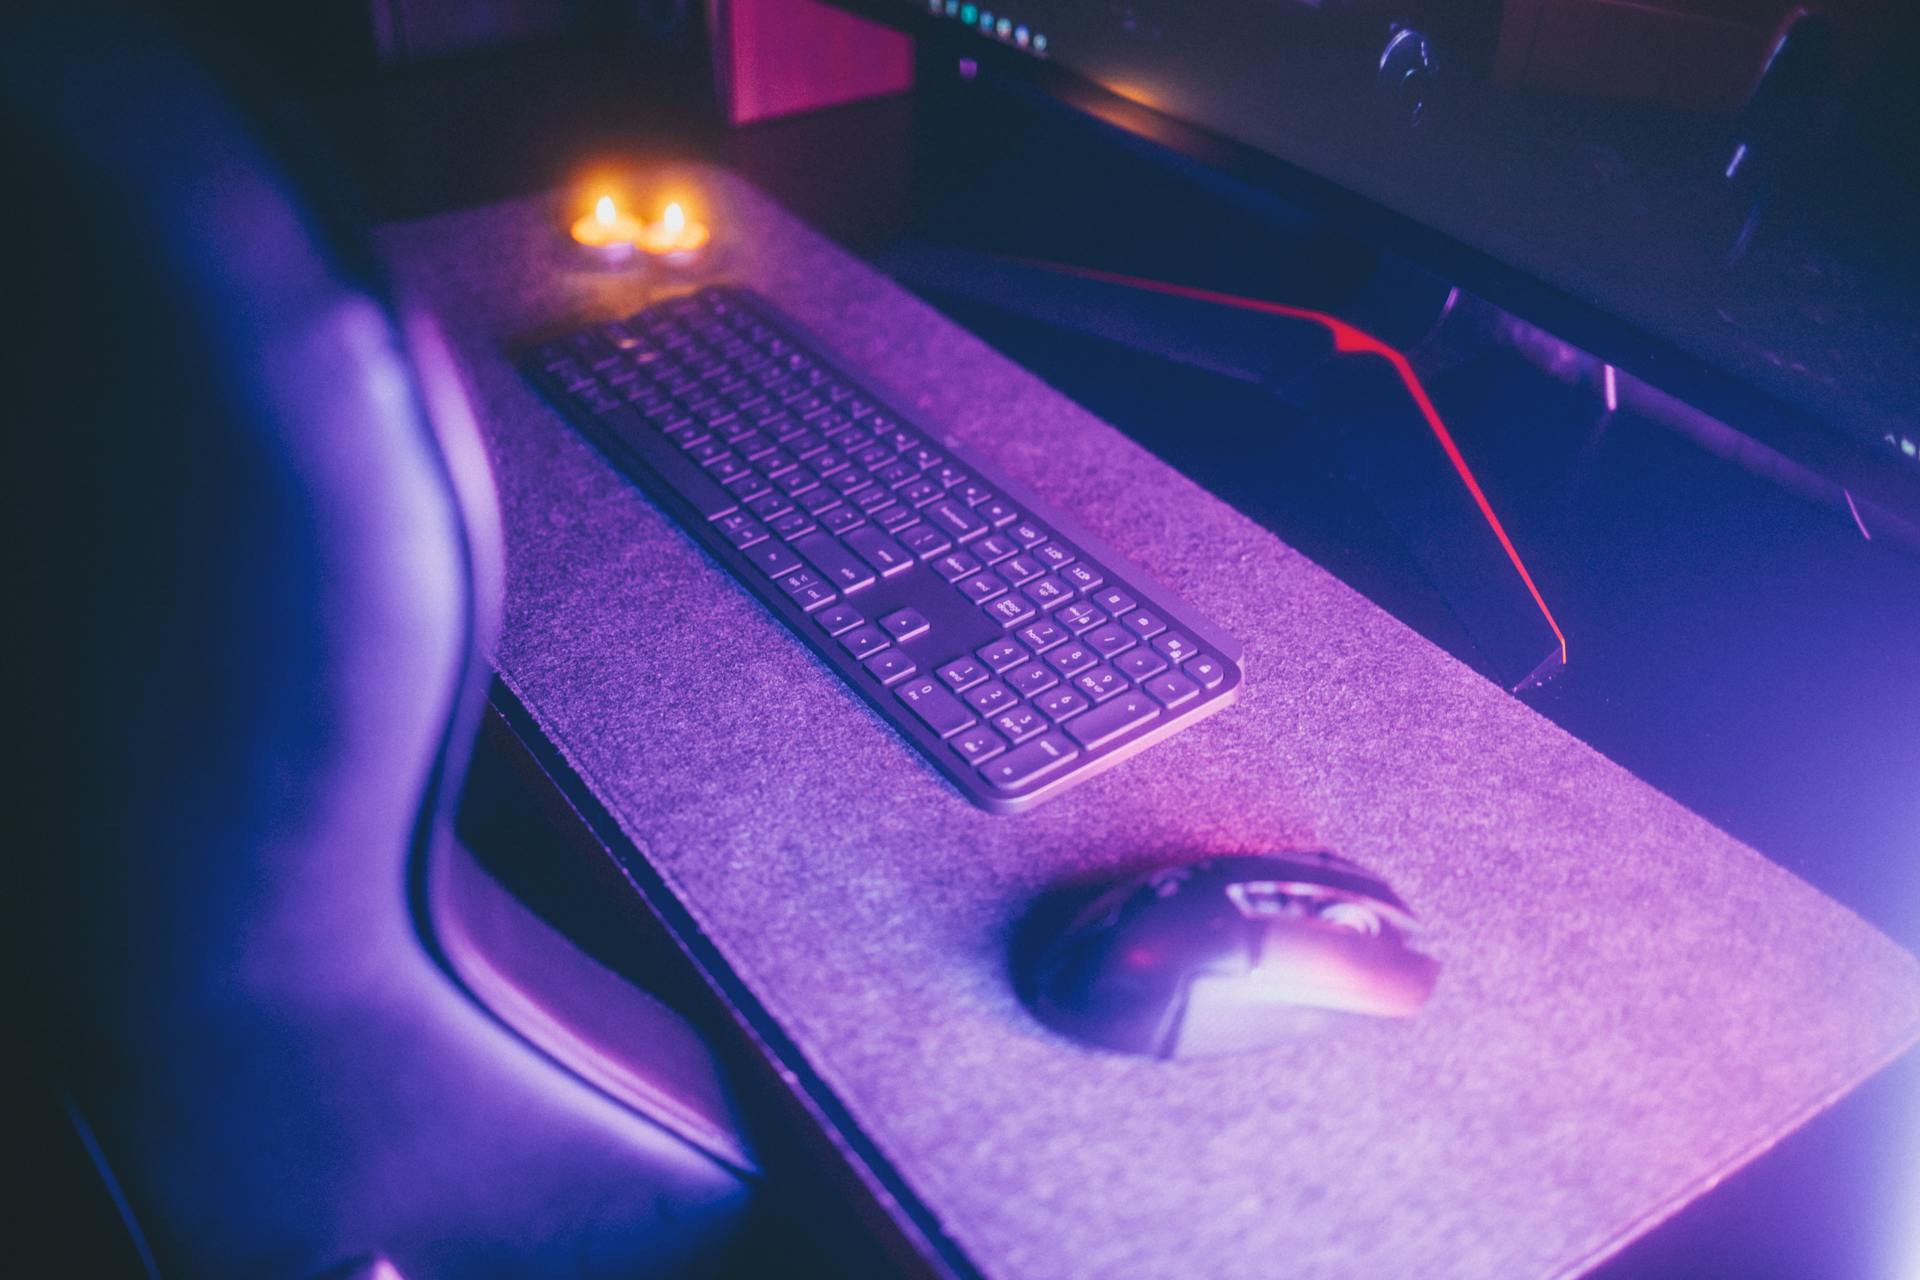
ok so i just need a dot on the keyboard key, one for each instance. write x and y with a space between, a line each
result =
939 710
851 480
994 549
1028 534
1020 570
925 541
890 666
905 624
1051 554
796 482
1079 618
1100 683
1175 647
1072 659
979 745
793 524
877 549
1042 636
920 492
1020 723
770 506
748 486
1062 704
834 563
842 519
729 466
1114 601
798 580
1114 720
839 619
956 566
818 500
1140 664
1036 761
772 559
1010 611
862 642
1109 640
981 588
962 674
973 493
895 518
1047 592
951 518
1002 655
1172 689
1205 670
990 699
1030 678
1144 624
814 597
997 513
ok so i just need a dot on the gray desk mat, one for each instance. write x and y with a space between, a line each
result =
1632 1002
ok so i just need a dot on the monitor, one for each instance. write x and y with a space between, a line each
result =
1717 195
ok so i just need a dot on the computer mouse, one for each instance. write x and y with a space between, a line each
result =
1228 954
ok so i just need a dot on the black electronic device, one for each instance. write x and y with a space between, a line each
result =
1714 199
1228 954
1012 649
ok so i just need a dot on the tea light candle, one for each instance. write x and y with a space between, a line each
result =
607 235
676 239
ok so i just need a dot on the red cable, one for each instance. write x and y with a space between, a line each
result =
1347 340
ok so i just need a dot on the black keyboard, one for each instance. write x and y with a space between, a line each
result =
1015 652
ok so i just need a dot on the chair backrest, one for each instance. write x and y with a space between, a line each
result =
253 539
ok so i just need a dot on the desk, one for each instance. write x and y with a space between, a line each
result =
1631 1004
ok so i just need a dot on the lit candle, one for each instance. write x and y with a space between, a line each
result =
676 239
607 234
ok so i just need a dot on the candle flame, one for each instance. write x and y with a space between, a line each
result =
674 218
603 211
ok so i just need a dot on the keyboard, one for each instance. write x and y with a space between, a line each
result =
1014 651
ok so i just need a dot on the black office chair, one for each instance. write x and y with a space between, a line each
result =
253 588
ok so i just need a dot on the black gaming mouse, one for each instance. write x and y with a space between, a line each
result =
1228 954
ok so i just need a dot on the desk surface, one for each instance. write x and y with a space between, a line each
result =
1631 1004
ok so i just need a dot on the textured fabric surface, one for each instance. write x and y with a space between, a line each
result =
1631 1002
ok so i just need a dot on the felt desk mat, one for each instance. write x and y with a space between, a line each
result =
1632 1003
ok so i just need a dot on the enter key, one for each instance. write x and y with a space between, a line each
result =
1112 719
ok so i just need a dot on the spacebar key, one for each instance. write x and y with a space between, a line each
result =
665 460
834 563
